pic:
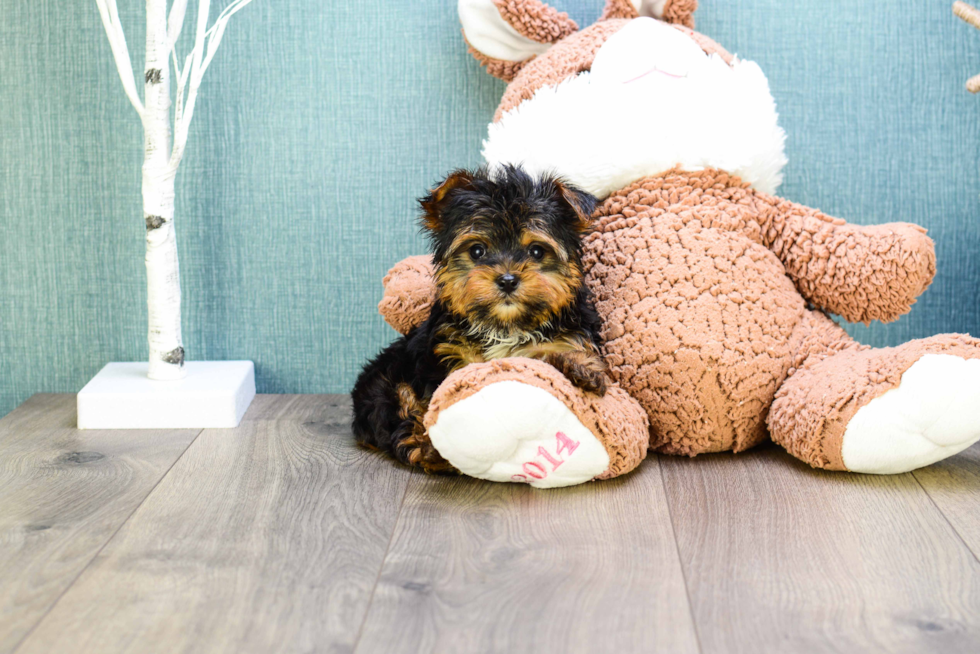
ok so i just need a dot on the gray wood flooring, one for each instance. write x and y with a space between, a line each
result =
282 536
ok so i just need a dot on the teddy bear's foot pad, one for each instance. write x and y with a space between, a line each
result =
932 414
510 431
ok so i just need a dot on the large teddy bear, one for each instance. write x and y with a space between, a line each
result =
714 293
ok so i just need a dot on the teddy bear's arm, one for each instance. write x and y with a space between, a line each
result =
409 293
861 273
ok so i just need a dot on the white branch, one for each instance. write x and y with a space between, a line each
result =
218 29
179 104
192 67
206 44
120 53
175 21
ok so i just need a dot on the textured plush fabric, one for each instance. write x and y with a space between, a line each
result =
537 21
618 9
504 70
680 12
408 293
615 419
320 122
698 313
572 55
861 273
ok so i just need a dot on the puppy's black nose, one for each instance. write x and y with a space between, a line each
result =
507 283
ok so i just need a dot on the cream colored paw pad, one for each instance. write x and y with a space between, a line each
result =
510 431
933 414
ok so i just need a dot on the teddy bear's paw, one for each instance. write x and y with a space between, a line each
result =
510 431
934 413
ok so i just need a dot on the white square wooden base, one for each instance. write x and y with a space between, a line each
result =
213 394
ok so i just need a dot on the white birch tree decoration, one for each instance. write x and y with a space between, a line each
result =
166 393
160 159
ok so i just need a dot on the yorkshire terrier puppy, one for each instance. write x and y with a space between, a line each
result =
507 253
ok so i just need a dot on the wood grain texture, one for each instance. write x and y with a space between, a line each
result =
281 535
954 485
63 494
783 558
264 538
478 567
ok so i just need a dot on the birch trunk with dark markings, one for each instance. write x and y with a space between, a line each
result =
162 269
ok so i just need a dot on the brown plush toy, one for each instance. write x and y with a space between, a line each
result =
714 292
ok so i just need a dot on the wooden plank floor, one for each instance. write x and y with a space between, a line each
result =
281 536
63 494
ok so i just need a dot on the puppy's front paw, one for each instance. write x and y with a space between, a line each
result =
583 371
417 450
588 380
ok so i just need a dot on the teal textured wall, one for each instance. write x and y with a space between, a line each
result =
319 122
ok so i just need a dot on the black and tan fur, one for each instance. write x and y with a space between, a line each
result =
507 252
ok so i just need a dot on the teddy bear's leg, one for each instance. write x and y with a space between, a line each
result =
882 411
520 420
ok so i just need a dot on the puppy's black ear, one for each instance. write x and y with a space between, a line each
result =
581 203
434 202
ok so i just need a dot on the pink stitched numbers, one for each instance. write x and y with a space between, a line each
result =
535 470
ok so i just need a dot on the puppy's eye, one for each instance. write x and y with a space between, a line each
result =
536 251
477 251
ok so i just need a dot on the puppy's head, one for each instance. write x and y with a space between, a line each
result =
507 246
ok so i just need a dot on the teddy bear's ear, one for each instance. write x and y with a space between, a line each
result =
581 203
434 202
621 9
678 12
503 35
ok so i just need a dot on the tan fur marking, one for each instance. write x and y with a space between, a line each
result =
463 286
467 237
421 452
409 403
571 354
528 238
456 354
432 207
